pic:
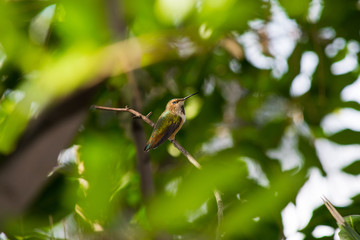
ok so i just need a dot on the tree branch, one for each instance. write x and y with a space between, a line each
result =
191 159
186 154
127 109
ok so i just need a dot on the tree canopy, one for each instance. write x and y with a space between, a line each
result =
271 75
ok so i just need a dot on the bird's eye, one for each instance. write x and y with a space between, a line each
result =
173 102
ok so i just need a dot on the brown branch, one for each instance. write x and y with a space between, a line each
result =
186 154
127 109
191 159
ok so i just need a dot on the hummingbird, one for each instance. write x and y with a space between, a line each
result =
169 123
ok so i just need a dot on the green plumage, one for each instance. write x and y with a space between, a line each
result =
165 126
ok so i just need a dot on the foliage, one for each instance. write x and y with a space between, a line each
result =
245 127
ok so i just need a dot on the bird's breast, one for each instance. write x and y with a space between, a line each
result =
183 118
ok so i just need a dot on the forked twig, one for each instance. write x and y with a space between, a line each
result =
130 110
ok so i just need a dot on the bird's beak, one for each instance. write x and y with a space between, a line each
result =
183 99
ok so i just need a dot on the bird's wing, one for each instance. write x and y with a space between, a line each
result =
164 127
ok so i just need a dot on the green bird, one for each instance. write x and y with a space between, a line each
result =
169 123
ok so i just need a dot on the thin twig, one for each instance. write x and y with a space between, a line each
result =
186 154
51 227
127 109
191 159
220 207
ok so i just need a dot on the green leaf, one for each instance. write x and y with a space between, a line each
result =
350 104
273 132
346 137
350 231
340 15
307 148
172 212
296 8
353 168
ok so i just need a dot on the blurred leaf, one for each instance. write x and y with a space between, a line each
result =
141 16
353 168
341 81
170 212
230 14
338 14
351 104
308 150
78 24
345 137
341 54
263 204
173 12
273 132
296 8
106 158
354 222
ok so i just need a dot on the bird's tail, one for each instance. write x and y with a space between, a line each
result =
147 147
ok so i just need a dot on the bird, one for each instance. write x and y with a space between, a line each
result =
169 123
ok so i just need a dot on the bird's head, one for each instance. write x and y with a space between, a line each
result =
176 105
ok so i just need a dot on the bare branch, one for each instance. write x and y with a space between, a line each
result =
127 109
186 154
149 114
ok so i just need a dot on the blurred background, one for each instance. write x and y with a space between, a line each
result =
275 125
